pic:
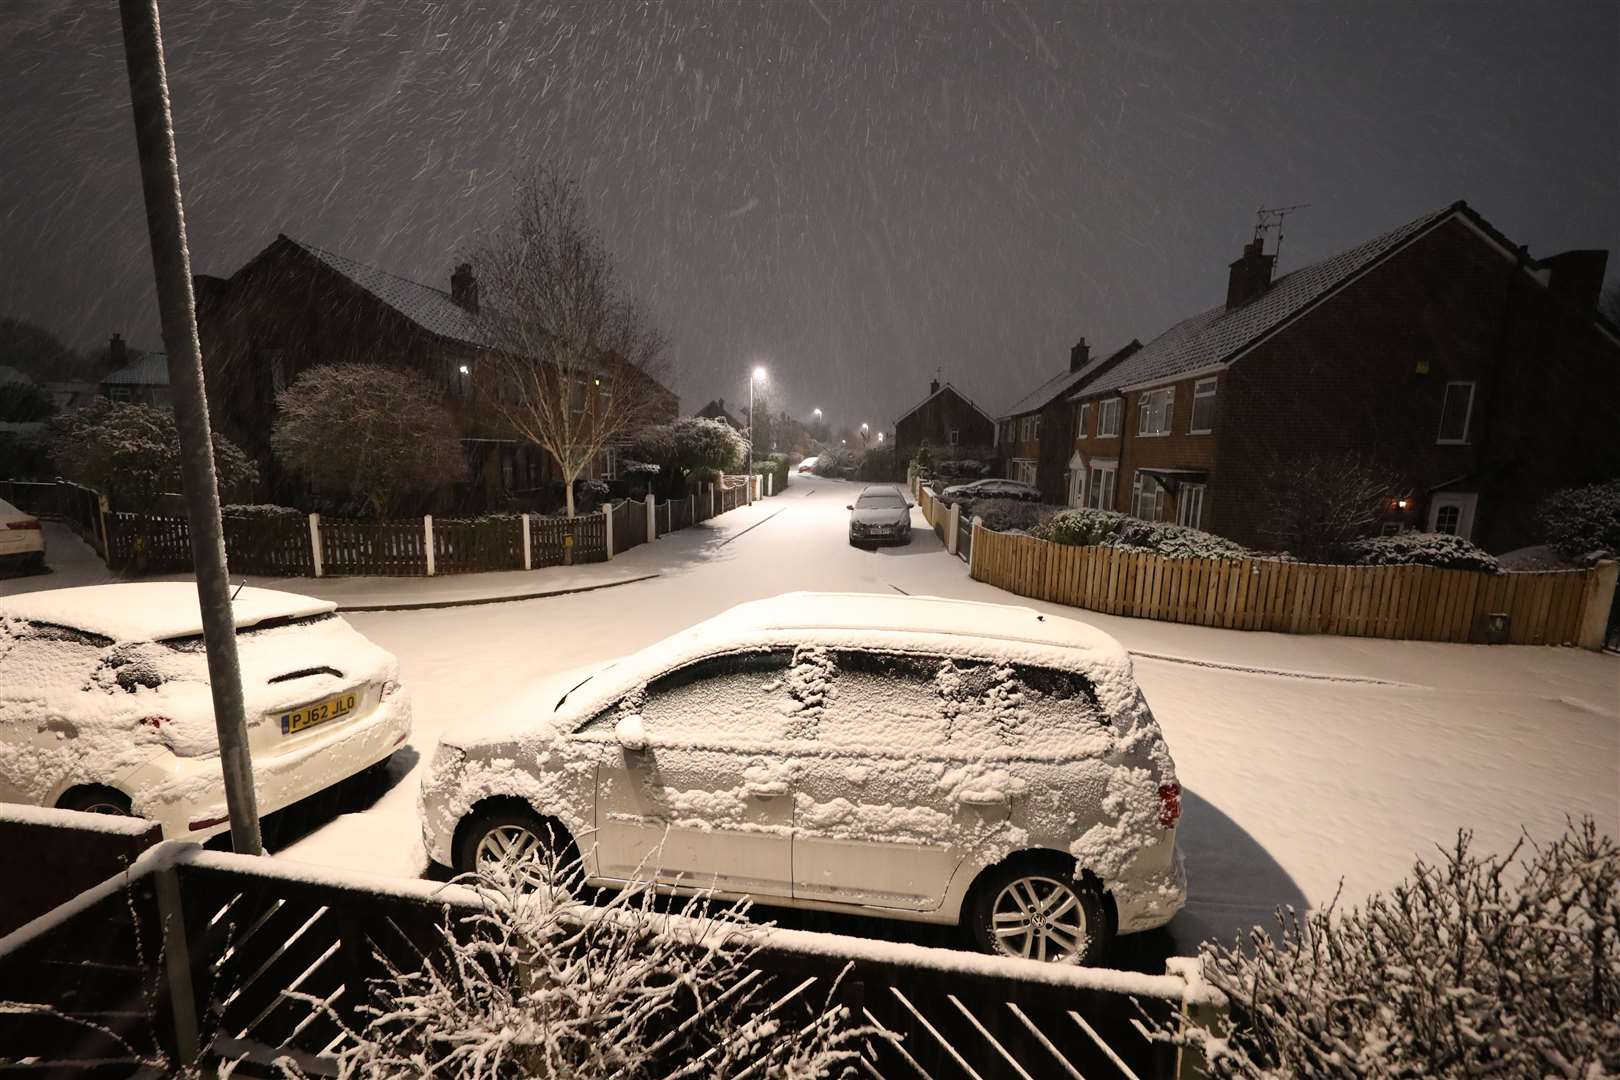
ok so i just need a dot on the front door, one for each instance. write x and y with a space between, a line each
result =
709 802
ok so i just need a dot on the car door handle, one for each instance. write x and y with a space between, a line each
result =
766 791
982 798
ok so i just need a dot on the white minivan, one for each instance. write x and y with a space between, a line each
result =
910 757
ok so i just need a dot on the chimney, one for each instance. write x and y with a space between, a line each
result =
117 353
1577 275
1079 356
1250 276
464 288
933 387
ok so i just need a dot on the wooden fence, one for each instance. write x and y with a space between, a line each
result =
1417 603
285 545
197 952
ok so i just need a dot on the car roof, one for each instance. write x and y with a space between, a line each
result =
152 610
885 616
880 489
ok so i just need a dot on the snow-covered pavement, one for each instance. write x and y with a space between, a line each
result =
1305 759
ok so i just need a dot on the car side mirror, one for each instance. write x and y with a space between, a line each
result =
631 735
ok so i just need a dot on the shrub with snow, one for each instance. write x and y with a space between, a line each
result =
259 511
1481 967
838 461
131 453
1421 549
1008 515
1578 521
543 983
1109 528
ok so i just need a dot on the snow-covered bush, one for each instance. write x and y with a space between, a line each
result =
1578 521
962 469
639 469
542 983
131 454
1442 550
1008 515
399 440
838 461
1109 528
1481 967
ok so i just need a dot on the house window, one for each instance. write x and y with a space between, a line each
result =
1108 418
607 465
1147 497
1453 513
119 393
1190 504
1389 528
1203 409
1447 518
1456 412
1035 428
1024 470
1103 479
460 379
1082 419
953 437
1156 411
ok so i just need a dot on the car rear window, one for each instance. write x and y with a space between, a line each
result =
880 502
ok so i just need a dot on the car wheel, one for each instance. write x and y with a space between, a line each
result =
516 842
1038 910
95 799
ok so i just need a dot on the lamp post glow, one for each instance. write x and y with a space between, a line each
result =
865 429
757 376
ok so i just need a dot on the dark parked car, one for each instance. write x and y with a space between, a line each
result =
990 489
880 515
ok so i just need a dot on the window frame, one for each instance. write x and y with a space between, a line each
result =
1145 410
1103 410
1139 484
1081 417
1102 478
1198 395
1468 413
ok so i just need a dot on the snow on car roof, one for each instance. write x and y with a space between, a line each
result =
914 614
152 610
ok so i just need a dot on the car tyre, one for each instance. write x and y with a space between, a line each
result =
1036 908
96 799
531 844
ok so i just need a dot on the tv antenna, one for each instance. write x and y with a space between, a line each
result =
1267 218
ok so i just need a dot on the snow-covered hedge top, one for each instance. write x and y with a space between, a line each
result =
1109 528
1422 549
259 510
151 610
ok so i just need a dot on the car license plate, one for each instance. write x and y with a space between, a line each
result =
319 713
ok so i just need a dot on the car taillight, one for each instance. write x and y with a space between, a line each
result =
28 525
1169 805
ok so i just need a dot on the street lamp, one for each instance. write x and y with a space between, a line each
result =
880 438
758 376
864 429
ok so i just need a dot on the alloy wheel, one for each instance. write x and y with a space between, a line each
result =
518 851
1039 917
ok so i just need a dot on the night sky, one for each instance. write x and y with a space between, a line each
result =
851 194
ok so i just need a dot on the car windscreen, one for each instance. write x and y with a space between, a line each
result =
880 502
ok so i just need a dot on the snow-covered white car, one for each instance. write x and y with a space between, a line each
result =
105 703
22 541
880 514
807 465
908 757
992 488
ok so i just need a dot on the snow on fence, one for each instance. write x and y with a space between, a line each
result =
196 952
1417 603
284 545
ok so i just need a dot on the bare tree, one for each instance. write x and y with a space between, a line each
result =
1313 504
393 437
578 366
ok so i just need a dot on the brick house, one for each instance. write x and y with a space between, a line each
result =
294 306
1035 435
1482 378
945 418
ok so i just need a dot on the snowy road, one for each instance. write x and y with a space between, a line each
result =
1364 754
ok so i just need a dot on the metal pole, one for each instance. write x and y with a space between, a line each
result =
171 264
750 426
